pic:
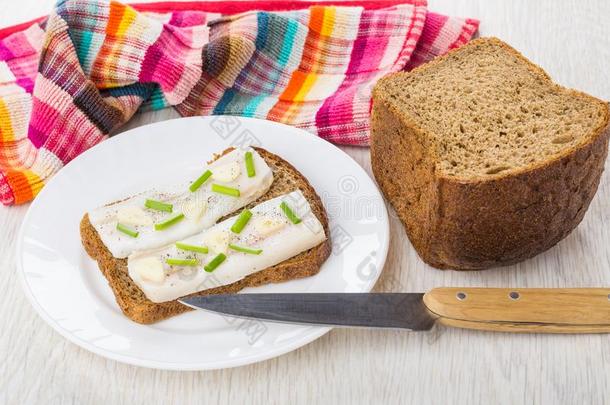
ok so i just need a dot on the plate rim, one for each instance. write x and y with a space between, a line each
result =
315 333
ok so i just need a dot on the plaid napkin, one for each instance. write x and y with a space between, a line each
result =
70 80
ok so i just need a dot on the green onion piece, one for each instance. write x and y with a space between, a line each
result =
250 165
289 213
192 248
241 221
217 188
158 205
181 262
245 249
122 228
211 266
166 224
197 183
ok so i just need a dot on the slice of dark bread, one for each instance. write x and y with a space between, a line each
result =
486 161
137 307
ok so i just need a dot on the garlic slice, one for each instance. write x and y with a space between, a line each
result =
218 242
150 268
194 208
132 215
227 173
265 226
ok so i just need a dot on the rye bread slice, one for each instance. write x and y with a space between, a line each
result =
138 308
486 161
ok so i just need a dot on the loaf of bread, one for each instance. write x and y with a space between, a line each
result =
138 308
486 161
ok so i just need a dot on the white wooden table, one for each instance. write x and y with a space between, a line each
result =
571 40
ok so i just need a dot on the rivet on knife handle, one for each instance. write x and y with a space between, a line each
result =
549 310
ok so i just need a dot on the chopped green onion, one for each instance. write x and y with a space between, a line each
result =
197 183
241 221
250 165
217 188
289 213
158 205
181 262
166 224
245 249
211 266
192 248
122 228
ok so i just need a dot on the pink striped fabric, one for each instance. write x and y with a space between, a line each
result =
68 81
440 34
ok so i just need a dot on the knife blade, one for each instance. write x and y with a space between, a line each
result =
375 310
551 310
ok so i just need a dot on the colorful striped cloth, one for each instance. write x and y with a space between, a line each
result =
71 79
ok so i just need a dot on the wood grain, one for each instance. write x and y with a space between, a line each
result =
553 310
571 41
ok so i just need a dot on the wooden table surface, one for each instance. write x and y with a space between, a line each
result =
571 40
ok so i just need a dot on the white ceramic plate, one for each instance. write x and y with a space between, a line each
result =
70 293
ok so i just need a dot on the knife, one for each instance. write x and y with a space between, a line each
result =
543 310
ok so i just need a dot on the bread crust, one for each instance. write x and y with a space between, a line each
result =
482 222
138 308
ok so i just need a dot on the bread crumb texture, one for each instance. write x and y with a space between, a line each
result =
487 112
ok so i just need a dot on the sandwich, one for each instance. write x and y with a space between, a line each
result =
248 218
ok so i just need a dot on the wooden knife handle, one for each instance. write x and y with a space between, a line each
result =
544 310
